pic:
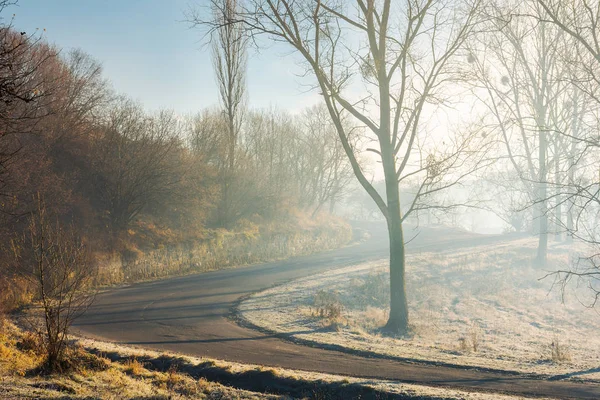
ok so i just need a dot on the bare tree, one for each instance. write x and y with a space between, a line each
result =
330 172
520 70
59 266
24 91
136 162
229 43
381 46
580 19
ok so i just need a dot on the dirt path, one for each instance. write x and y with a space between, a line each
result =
190 315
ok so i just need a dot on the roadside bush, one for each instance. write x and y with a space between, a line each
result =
327 305
59 267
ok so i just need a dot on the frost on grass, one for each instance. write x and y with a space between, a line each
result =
96 377
484 306
123 372
309 379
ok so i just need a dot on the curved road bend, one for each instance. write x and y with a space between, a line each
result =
190 315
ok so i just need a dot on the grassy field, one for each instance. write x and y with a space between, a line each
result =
484 306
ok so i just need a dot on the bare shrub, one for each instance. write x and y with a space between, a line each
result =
559 351
58 265
327 305
463 344
471 341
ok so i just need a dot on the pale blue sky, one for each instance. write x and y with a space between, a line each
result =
150 54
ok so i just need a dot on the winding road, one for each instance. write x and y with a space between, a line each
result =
191 315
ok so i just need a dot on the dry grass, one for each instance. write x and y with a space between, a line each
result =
120 372
134 367
92 376
190 376
248 243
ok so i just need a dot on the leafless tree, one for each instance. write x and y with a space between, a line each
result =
58 264
136 162
329 170
24 90
381 46
229 43
206 139
520 69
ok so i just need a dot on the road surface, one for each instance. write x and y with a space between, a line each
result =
190 315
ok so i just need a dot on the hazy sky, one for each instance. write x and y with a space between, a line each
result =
150 54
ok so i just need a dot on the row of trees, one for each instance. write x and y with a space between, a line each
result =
533 78
578 192
100 160
83 170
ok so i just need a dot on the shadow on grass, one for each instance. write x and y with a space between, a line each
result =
574 374
263 380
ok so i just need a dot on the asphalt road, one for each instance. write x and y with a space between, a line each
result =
190 315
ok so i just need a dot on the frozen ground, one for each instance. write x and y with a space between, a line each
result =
483 306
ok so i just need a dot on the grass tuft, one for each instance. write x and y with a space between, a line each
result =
560 353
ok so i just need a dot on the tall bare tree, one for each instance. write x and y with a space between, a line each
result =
399 52
229 43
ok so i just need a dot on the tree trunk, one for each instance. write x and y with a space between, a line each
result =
542 249
557 206
398 320
543 201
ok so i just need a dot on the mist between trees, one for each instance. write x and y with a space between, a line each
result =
524 72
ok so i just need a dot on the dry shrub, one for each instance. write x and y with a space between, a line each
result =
474 337
463 344
327 305
559 352
58 265
134 367
470 342
15 291
32 342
